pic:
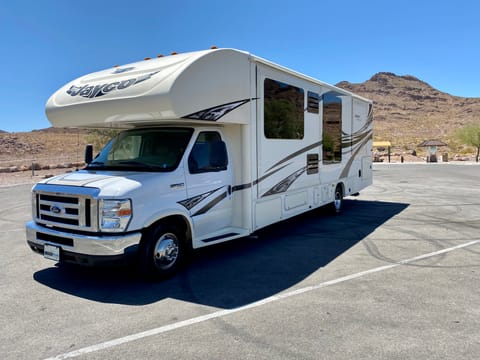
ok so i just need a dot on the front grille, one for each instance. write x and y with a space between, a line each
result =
65 211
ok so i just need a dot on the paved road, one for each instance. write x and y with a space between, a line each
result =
396 276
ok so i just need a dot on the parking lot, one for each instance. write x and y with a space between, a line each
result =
395 276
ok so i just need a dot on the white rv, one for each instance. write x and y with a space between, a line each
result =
217 144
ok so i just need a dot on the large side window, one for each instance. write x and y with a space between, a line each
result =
283 110
332 127
208 154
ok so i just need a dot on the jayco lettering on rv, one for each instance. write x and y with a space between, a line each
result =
92 91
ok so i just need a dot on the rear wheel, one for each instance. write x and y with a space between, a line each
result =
337 204
162 251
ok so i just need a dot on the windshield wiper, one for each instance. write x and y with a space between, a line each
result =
125 164
96 163
140 165
132 162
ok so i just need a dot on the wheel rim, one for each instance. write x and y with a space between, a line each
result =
338 201
165 252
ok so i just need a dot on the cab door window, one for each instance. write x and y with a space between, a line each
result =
209 154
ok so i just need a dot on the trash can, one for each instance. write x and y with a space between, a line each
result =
445 157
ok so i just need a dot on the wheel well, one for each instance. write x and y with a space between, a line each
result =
178 221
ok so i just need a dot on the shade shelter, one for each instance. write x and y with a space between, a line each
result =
431 146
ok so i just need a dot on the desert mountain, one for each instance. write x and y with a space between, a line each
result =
408 111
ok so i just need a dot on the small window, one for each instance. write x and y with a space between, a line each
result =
332 127
283 110
313 99
209 154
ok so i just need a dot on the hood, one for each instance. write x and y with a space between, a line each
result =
111 184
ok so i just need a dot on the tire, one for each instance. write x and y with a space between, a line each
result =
337 204
162 251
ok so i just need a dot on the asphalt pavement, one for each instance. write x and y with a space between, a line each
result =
395 276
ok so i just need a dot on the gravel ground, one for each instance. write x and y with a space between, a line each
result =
26 177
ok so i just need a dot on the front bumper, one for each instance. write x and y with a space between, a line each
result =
84 249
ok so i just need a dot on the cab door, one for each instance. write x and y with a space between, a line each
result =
209 178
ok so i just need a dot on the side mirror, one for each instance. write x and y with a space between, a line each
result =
88 153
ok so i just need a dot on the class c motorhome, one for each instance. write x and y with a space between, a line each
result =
216 145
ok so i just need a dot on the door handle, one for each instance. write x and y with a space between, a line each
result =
177 186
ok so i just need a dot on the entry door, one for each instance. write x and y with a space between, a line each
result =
209 178
288 134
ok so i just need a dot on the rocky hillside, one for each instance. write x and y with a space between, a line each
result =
45 148
408 111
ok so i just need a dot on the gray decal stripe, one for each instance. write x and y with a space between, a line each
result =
211 204
350 161
75 182
216 112
249 185
191 202
366 127
357 138
246 186
269 174
283 185
296 153
241 187
354 139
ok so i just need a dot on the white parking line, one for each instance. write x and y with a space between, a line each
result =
222 313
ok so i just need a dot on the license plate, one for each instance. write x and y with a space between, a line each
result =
51 252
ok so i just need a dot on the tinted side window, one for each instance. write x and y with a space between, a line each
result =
283 110
208 154
332 127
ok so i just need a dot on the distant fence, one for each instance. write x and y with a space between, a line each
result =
32 164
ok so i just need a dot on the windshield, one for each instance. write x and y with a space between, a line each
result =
157 149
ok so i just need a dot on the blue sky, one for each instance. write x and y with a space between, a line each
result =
45 44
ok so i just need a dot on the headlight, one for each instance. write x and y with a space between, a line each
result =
115 215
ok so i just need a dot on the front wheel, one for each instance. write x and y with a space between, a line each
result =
162 251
